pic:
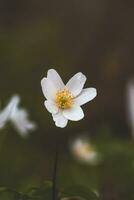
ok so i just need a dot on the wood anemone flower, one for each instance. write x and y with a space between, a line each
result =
64 101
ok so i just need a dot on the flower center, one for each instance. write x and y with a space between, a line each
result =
87 149
64 99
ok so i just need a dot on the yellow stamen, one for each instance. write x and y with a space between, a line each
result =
86 148
64 99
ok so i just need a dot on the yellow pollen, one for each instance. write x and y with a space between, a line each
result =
64 99
87 148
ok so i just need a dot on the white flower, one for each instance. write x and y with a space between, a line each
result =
18 117
84 151
64 101
130 104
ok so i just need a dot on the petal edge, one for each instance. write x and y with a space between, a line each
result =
74 114
85 96
55 78
76 83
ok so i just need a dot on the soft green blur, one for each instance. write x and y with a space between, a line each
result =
94 37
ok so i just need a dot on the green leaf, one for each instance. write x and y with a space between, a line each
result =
10 194
79 192
42 192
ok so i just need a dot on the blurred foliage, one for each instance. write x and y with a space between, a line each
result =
80 192
45 192
25 169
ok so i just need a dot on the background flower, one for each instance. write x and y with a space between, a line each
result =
84 151
17 116
130 104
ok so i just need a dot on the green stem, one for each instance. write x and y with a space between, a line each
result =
54 190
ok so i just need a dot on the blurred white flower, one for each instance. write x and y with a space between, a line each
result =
130 104
18 117
64 101
84 151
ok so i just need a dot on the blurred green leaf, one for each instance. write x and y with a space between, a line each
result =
9 194
42 192
79 192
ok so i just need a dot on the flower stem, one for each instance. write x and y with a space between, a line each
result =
54 189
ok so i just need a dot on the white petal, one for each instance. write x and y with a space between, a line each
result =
13 104
51 107
55 78
86 95
14 100
75 113
60 120
48 88
5 115
76 83
2 122
21 122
